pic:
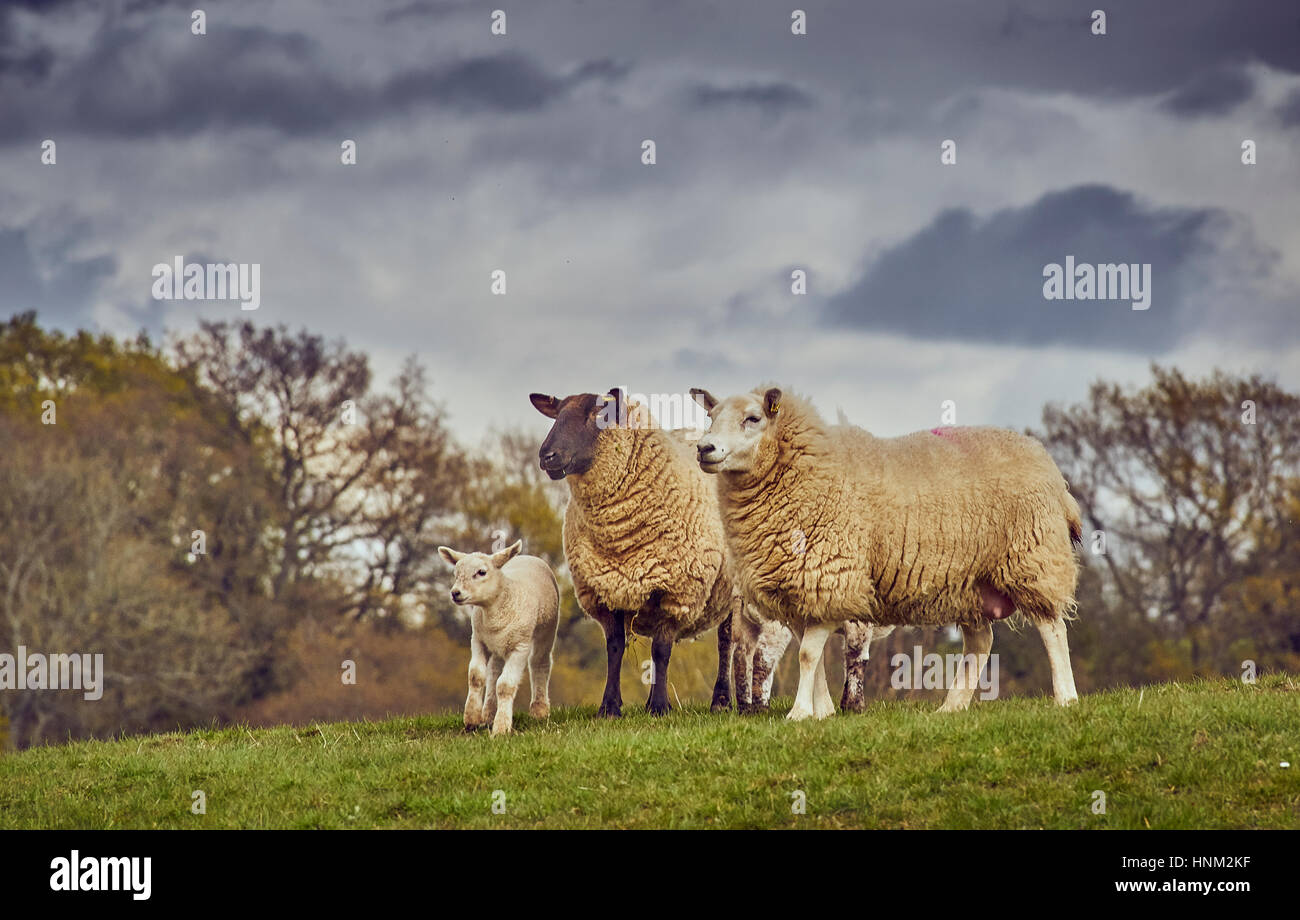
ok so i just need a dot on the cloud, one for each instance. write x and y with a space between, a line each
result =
770 98
58 287
1215 93
137 83
965 278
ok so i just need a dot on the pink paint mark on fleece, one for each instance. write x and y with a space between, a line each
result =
944 432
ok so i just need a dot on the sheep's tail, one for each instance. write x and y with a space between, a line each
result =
1073 518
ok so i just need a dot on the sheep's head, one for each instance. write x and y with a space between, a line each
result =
737 430
570 447
478 577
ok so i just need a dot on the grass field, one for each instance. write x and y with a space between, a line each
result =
1198 755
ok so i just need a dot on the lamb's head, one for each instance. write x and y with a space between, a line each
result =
741 433
477 577
570 447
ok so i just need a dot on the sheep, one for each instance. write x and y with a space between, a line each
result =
951 525
515 609
642 536
759 643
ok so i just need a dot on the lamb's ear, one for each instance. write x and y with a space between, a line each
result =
501 558
549 406
704 398
772 402
446 552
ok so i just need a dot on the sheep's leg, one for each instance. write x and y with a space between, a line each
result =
772 641
811 648
611 705
1058 655
539 670
722 686
478 674
823 705
507 686
495 664
976 642
661 650
744 643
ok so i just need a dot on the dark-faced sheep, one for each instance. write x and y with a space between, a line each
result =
642 535
953 525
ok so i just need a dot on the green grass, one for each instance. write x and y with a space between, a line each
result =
1190 755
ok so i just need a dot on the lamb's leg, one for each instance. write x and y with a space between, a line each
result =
722 686
661 650
811 648
744 643
857 641
611 705
478 678
772 641
506 688
976 642
539 670
495 664
1058 655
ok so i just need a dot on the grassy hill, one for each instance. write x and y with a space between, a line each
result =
1198 755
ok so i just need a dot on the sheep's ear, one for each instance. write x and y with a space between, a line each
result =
613 409
704 398
772 402
549 406
501 558
446 552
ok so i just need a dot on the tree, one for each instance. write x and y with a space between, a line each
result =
1190 484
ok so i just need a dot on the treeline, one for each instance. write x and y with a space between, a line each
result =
232 516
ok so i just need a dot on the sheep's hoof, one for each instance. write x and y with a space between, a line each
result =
609 710
540 710
501 728
799 714
720 705
658 709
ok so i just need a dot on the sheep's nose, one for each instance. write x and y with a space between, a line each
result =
455 596
549 458
704 447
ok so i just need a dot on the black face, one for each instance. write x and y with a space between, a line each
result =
570 447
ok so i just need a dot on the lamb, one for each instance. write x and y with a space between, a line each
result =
642 536
515 605
759 643
952 525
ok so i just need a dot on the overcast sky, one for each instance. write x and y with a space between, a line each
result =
775 152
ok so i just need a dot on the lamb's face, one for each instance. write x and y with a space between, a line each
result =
477 578
570 447
738 425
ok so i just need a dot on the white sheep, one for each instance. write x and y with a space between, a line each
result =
952 525
515 609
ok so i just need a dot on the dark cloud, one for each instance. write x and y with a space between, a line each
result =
134 84
771 98
1216 93
981 279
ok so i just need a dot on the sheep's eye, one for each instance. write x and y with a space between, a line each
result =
480 573
752 420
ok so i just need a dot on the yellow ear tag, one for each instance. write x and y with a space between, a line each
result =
775 406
